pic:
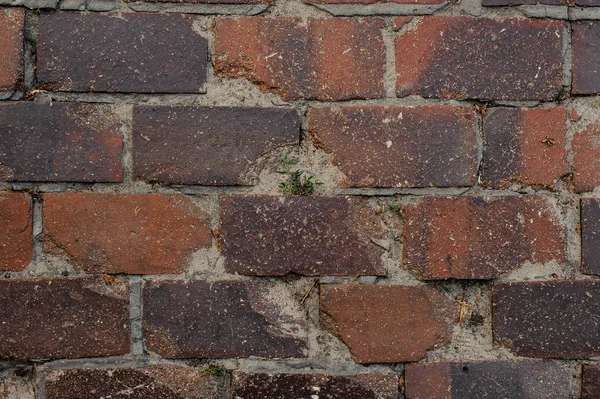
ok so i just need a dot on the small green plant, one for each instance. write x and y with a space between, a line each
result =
215 370
395 208
297 182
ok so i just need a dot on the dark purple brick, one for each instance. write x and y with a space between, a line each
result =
557 319
590 385
187 319
59 142
590 235
586 57
125 53
11 43
494 3
274 236
208 145
63 318
586 3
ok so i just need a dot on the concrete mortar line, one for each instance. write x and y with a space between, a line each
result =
135 315
389 77
38 231
29 50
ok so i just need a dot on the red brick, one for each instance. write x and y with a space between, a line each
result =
479 238
317 59
59 142
167 381
590 385
125 233
525 146
586 57
199 319
551 319
141 53
386 323
11 43
481 58
586 162
15 231
62 318
523 380
311 236
399 146
208 145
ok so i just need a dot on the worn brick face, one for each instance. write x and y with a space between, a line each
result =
523 380
187 319
274 236
525 146
590 385
479 238
590 235
493 3
317 59
386 323
481 58
208 145
131 233
15 231
141 53
11 43
62 318
399 146
586 162
557 319
586 57
166 381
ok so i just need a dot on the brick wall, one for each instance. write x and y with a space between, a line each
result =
153 242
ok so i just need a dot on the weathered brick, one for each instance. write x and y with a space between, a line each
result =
412 2
481 58
557 319
399 146
585 3
15 231
274 236
479 238
59 142
167 381
585 147
317 59
525 146
208 145
141 53
590 235
16 384
11 43
523 380
299 386
590 385
187 319
386 323
124 233
494 3
62 318
585 40
209 1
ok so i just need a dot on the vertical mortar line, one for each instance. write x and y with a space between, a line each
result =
125 112
39 383
480 140
577 376
30 32
567 56
38 230
389 77
135 315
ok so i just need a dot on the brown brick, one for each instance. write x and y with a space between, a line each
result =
62 318
399 146
167 381
590 385
141 53
187 319
557 319
586 162
523 380
15 231
316 59
481 58
59 142
479 238
590 235
585 3
125 233
11 43
586 57
525 146
311 236
387 323
208 145
300 386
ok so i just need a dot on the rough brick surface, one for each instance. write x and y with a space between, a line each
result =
208 145
412 2
480 238
399 146
324 59
15 231
141 53
185 319
11 43
548 319
154 382
134 233
62 318
274 236
586 162
523 380
387 323
590 386
586 3
299 386
525 146
59 142
590 235
586 57
493 3
467 57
